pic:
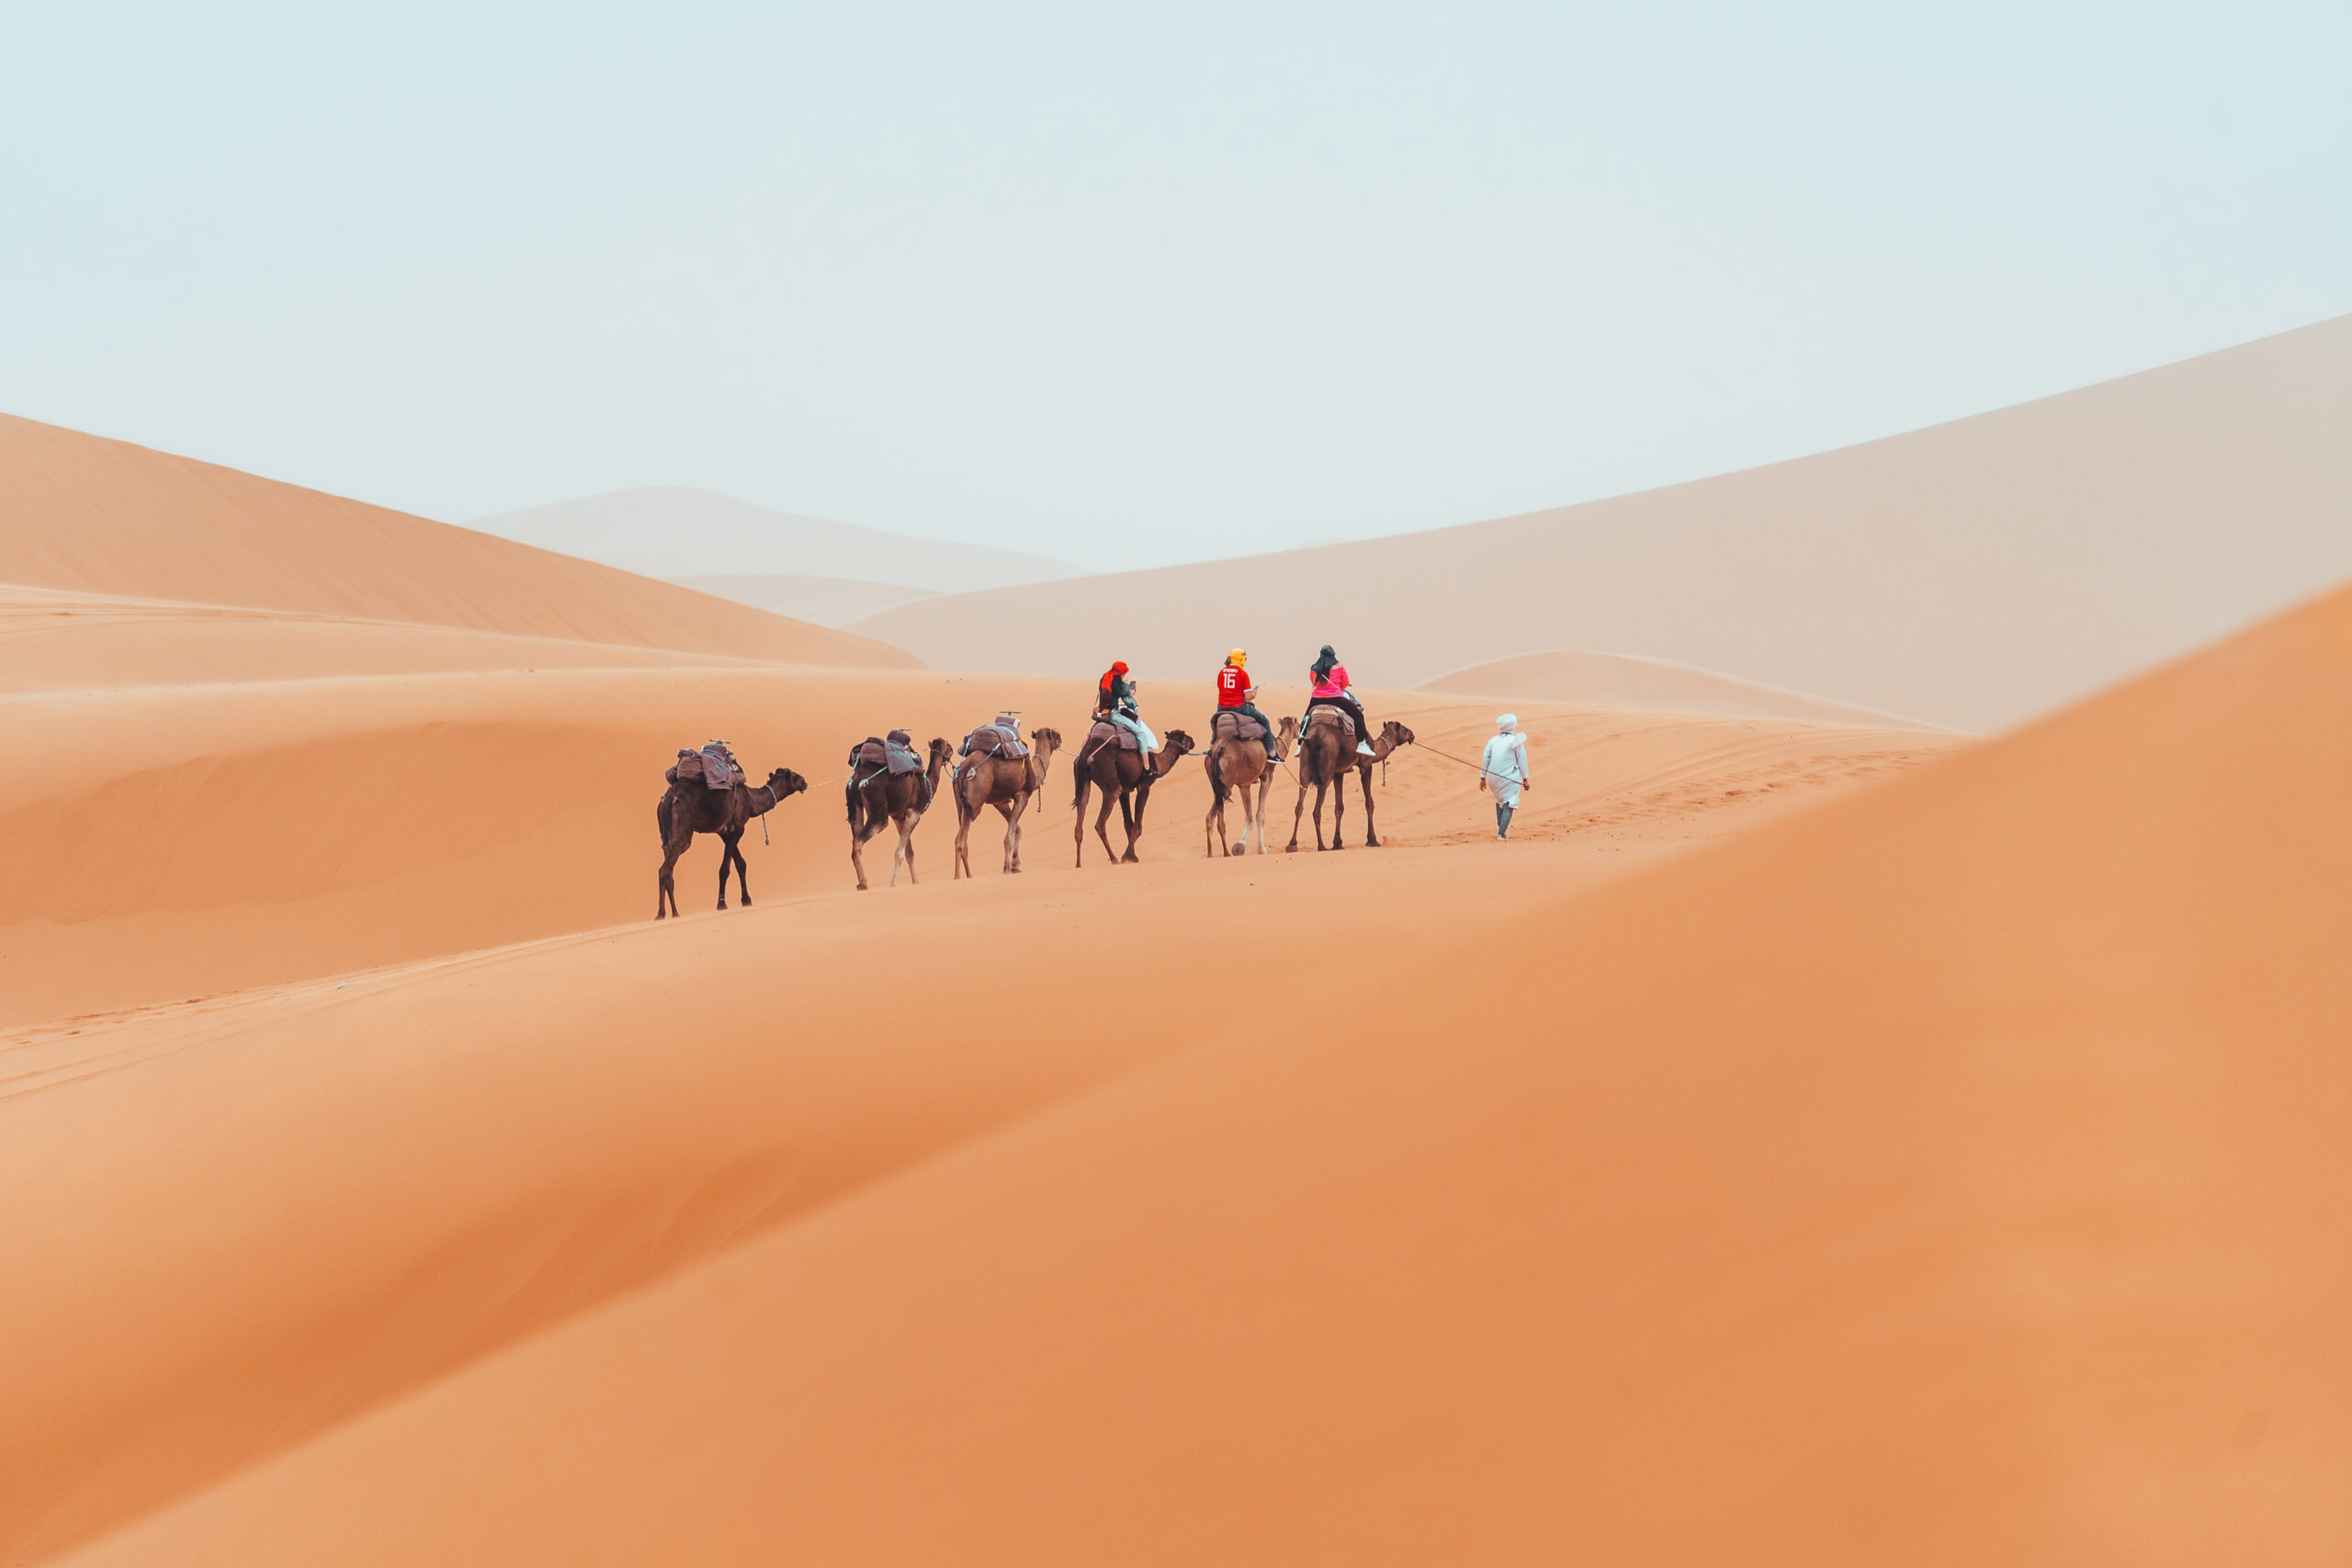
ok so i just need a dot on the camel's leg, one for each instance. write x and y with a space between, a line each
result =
1249 825
857 837
728 855
1296 814
1131 820
1103 818
1371 838
960 867
906 849
1319 787
1265 788
1078 819
1339 808
667 888
1011 809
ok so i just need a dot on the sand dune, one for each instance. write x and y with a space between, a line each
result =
1649 686
1972 574
105 517
820 601
675 532
1952 1173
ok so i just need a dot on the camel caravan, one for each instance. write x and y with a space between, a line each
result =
891 784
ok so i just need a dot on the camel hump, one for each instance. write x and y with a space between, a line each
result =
1339 717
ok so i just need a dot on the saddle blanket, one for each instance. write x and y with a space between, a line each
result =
1346 720
994 740
897 753
714 769
1104 731
1230 725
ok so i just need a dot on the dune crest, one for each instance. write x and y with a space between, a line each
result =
1972 574
1648 685
109 518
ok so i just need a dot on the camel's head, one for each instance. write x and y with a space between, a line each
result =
1045 738
1176 744
942 753
1286 731
1395 735
784 782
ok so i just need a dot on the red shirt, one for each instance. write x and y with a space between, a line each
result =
1232 687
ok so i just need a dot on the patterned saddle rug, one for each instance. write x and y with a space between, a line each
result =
995 741
897 753
1105 733
1232 724
1346 720
714 767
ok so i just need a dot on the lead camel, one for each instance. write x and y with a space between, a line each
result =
1325 754
1125 776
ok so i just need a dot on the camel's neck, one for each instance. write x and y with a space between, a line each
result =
763 799
930 776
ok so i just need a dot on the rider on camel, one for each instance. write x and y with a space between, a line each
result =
1114 699
1234 692
1330 690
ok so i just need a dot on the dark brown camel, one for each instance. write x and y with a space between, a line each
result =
689 808
1234 766
1127 777
879 798
1006 784
1324 758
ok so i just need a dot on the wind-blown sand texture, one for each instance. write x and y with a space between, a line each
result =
1648 685
674 532
1972 575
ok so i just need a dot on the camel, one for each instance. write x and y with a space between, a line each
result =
1127 777
689 808
1234 766
1006 784
879 797
1324 758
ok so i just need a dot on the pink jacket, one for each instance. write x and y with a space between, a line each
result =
1334 683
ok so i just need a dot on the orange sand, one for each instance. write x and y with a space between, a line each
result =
1811 1144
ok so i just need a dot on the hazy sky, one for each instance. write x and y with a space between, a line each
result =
1125 286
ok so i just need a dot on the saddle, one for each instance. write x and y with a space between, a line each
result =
896 752
1341 716
1104 732
714 767
1232 723
995 741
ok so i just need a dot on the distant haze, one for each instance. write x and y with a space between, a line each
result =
679 533
1130 284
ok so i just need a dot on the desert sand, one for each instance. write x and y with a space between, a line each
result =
1972 575
1813 1140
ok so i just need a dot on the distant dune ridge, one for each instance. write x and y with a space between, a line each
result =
820 601
1647 686
676 531
1972 574
110 518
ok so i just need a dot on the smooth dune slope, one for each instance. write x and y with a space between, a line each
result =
1954 1174
674 531
55 640
86 513
1648 685
1972 574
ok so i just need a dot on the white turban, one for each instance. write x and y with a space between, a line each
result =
1509 722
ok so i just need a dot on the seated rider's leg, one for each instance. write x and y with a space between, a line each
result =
1363 725
1250 710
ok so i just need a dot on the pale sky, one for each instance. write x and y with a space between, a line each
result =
1126 286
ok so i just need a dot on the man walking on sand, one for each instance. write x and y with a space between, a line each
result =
1506 763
